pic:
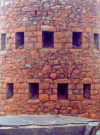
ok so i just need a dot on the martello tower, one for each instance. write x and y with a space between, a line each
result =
50 57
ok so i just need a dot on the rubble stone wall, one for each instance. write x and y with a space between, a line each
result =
50 66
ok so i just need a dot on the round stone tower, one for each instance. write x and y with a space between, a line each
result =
50 57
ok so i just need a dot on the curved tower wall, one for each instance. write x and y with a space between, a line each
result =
77 67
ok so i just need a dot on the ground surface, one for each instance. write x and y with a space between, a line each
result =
45 125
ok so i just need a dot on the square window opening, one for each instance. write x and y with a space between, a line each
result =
96 41
62 91
48 39
36 12
77 39
86 91
9 93
20 40
3 41
33 90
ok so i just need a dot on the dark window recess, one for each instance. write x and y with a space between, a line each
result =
96 41
33 90
19 39
36 12
48 39
77 39
86 91
47 13
3 41
62 92
9 93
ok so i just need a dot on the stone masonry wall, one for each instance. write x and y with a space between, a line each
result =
50 66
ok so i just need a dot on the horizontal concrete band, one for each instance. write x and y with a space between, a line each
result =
45 125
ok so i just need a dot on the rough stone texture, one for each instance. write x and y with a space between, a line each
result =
50 66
